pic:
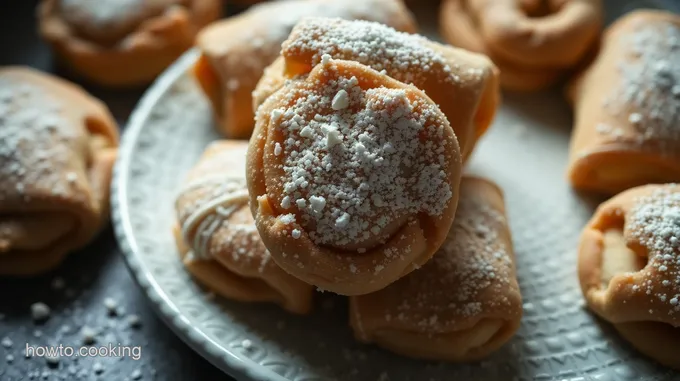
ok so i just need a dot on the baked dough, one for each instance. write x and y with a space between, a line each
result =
629 268
533 42
123 43
217 239
236 51
627 107
353 177
57 148
463 304
463 84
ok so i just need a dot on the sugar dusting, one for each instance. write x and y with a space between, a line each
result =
217 227
649 94
473 261
111 12
36 143
279 18
655 223
405 57
357 169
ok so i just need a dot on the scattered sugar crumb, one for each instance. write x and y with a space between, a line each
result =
134 321
52 361
340 101
6 342
98 368
89 335
136 375
111 305
40 311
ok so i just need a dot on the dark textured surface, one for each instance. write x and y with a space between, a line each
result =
89 276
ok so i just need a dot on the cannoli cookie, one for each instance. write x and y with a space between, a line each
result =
353 177
217 239
463 304
627 106
629 268
533 42
123 43
464 85
236 51
57 148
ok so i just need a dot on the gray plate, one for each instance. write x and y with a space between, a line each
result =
525 152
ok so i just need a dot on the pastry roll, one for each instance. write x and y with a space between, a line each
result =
236 51
353 177
464 85
123 43
217 239
463 304
57 148
533 42
627 107
629 268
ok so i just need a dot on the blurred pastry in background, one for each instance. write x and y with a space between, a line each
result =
217 239
629 268
353 177
245 2
236 51
463 84
627 107
462 305
124 43
57 148
533 42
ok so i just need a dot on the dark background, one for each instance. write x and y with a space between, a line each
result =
89 276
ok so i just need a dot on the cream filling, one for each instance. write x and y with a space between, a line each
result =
205 220
617 257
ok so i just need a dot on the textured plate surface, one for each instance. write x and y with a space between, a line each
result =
525 152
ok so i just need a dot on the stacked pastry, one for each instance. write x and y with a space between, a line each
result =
463 304
353 181
627 106
235 51
57 148
533 42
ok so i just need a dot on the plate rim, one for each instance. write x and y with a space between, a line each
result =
230 362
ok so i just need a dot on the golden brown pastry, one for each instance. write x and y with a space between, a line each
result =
123 43
57 148
533 42
629 268
463 84
627 107
353 177
217 238
463 304
236 51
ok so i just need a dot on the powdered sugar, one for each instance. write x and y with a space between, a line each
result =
655 223
280 17
405 57
473 259
110 13
361 168
37 145
649 94
471 274
214 214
